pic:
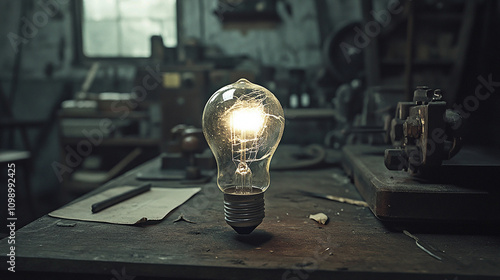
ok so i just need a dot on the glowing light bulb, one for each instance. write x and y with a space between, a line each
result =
243 124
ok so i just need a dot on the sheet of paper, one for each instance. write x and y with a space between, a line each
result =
153 205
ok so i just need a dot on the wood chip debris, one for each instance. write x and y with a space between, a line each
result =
336 198
181 218
320 218
347 200
63 224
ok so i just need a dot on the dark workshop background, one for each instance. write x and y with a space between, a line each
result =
289 46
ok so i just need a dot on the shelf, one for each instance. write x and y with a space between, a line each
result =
15 123
318 113
125 141
103 115
248 25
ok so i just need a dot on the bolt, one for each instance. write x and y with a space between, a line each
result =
422 94
412 127
396 133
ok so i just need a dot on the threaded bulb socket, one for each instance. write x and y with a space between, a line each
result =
244 212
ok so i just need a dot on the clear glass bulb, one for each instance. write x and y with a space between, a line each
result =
243 124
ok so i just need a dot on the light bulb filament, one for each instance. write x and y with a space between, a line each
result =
247 140
243 169
248 120
247 123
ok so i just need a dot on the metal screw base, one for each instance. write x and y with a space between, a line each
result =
244 212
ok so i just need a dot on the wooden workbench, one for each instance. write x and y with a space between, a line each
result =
287 245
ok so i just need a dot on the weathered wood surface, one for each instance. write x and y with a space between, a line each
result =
287 245
463 194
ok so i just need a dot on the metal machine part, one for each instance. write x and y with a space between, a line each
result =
187 159
423 133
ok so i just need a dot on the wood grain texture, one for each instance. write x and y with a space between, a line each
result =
287 245
467 193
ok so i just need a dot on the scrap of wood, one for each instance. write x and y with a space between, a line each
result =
336 198
181 218
62 224
320 218
347 200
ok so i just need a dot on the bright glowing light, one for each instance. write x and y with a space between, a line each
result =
248 120
243 124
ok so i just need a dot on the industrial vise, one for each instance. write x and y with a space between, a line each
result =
423 133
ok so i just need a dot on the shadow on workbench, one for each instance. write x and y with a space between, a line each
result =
258 238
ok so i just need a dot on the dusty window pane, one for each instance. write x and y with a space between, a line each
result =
96 10
134 9
134 23
137 42
169 34
100 38
163 10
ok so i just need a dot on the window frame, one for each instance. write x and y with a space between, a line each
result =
81 58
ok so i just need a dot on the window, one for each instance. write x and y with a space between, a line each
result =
123 28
